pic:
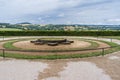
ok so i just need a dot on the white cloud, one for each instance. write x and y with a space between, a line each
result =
22 7
113 20
60 11
39 18
61 15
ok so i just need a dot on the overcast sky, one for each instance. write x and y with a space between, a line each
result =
60 11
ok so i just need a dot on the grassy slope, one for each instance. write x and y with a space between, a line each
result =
9 29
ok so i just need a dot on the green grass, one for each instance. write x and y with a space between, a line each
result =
55 56
9 29
110 37
110 43
50 57
9 45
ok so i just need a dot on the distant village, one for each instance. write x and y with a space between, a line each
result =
58 27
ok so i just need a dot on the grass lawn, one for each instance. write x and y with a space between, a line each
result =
9 29
110 37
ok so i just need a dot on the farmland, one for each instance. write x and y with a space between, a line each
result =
9 29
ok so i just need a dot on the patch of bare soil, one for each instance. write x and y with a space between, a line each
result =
54 68
20 69
1 45
101 44
28 45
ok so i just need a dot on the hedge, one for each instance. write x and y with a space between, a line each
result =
59 33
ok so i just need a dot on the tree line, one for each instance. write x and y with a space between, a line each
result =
59 33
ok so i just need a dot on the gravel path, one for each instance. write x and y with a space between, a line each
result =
92 68
20 69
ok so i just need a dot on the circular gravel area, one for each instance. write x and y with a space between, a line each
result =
28 45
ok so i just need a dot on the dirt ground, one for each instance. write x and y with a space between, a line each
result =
110 64
28 45
75 45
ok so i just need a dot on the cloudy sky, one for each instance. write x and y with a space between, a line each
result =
60 11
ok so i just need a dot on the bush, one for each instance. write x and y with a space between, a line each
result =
59 33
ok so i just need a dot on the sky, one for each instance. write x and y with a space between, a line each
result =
60 11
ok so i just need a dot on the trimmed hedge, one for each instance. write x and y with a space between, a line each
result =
59 33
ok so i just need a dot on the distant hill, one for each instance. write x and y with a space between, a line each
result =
4 23
24 23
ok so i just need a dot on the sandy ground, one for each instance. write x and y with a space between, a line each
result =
81 71
75 45
94 68
20 69
28 45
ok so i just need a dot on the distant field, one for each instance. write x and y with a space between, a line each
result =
9 29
